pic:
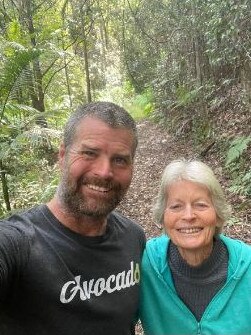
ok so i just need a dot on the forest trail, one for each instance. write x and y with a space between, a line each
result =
155 150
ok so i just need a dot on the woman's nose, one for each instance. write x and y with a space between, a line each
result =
188 212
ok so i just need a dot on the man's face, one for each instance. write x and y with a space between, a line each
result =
96 168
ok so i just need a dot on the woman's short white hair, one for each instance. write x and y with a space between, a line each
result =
197 172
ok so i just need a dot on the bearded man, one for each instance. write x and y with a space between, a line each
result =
72 266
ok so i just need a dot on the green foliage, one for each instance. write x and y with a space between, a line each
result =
140 105
237 148
233 221
32 153
238 165
32 185
241 184
14 31
15 73
186 96
141 52
168 58
202 129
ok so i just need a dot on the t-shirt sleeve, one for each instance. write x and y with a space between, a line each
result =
14 253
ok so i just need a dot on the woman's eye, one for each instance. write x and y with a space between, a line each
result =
175 207
200 205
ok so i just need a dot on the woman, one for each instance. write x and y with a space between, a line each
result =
194 279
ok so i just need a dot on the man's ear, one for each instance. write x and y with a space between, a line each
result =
61 155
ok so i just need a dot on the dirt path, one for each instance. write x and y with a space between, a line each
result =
156 148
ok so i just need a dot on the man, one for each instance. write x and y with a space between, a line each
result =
72 266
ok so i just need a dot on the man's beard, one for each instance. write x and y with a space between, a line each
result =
78 204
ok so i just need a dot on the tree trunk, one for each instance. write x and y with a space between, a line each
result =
5 187
36 87
86 59
87 73
197 51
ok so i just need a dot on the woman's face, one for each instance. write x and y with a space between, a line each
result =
190 218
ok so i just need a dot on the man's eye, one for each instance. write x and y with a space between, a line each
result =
120 161
87 153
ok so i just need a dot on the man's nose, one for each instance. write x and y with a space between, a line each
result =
103 168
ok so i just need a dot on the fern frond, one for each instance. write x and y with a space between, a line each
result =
14 71
237 147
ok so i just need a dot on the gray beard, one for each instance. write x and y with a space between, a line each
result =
78 205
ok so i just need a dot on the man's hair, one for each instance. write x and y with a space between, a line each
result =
108 112
197 172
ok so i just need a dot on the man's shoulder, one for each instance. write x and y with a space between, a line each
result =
122 219
17 232
118 216
22 220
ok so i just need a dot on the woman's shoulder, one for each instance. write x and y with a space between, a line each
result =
235 243
239 251
155 253
158 241
157 246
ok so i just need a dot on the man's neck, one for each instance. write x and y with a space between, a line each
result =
84 225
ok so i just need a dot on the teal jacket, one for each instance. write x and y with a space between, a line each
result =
163 313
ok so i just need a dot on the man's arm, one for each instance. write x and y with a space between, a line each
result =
14 253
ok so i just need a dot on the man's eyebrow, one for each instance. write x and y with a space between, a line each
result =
122 154
93 147
88 147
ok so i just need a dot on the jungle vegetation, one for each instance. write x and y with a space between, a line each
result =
184 64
